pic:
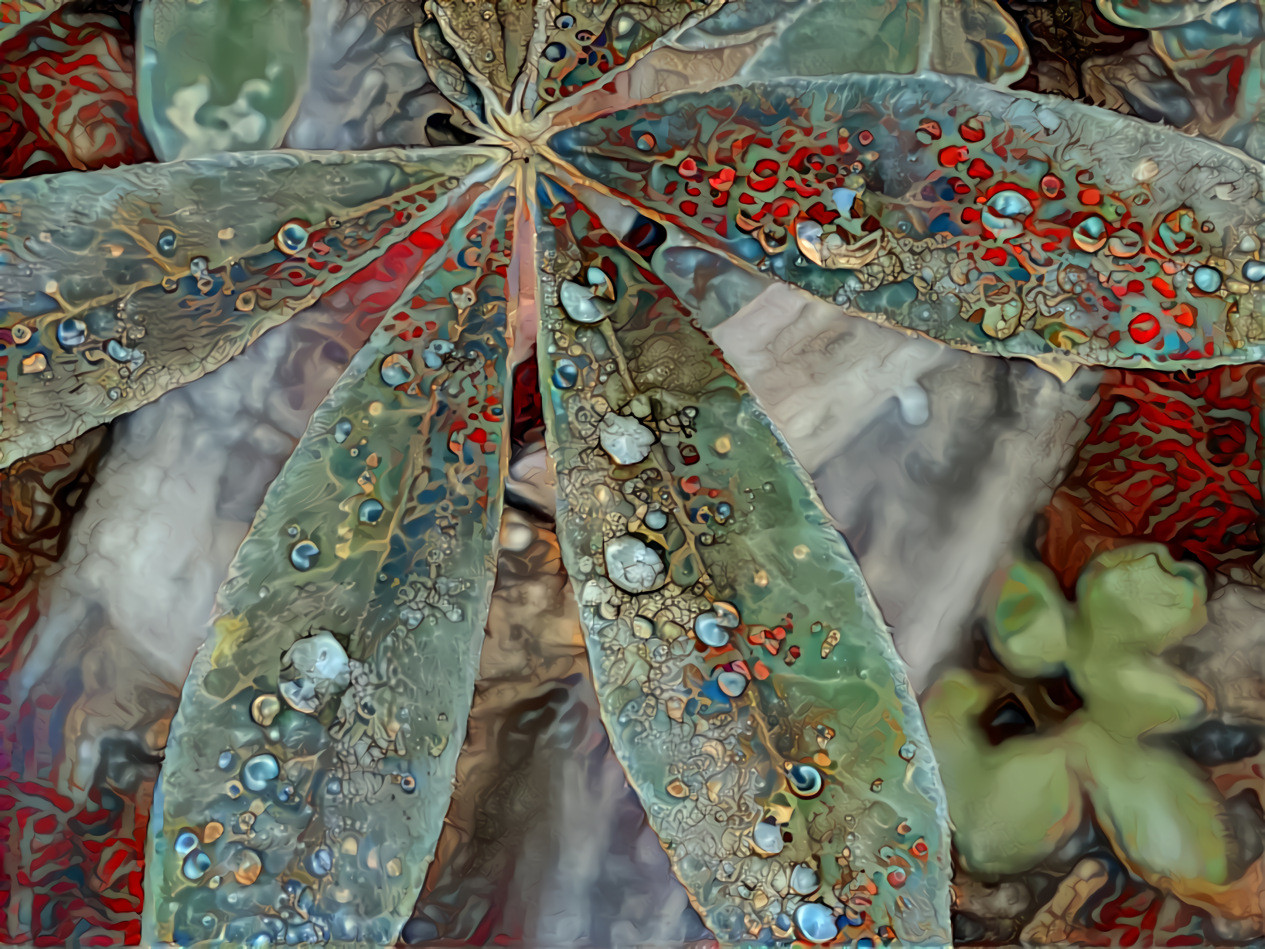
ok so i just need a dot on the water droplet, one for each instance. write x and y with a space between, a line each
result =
709 631
1254 271
195 865
313 669
727 614
304 554
1005 211
291 237
816 922
117 351
166 243
249 866
396 370
1090 234
342 430
71 332
767 838
625 439
554 52
565 373
1207 279
804 879
733 684
321 861
565 22
226 760
264 709
370 511
804 779
633 565
908 750
186 841
581 303
656 520
258 771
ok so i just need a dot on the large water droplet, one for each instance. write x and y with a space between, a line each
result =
71 332
709 631
633 565
804 879
186 841
565 373
166 243
292 237
1090 234
816 922
258 771
370 511
396 370
304 554
1005 212
804 779
625 439
767 838
1207 279
1254 271
195 865
733 684
581 304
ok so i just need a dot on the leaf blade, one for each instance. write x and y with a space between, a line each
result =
330 702
798 721
118 285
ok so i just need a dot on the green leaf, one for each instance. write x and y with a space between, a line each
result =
864 215
119 285
1011 805
745 676
1131 696
1161 817
1138 597
312 757
1028 628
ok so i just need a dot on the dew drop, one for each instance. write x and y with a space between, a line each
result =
816 922
1090 234
166 243
370 511
291 237
396 370
709 631
656 520
565 374
1254 271
195 865
767 838
258 771
71 332
733 684
1207 279
186 841
304 554
804 879
804 779
625 439
633 565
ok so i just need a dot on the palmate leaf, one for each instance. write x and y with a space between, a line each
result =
746 679
1011 225
311 761
118 285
